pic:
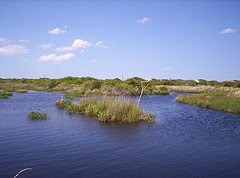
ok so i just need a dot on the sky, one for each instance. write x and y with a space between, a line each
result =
180 39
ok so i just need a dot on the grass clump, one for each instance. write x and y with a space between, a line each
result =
37 115
108 109
5 95
22 91
72 95
61 104
215 99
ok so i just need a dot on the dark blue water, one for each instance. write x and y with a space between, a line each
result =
185 141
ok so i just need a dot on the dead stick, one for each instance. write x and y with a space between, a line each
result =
22 171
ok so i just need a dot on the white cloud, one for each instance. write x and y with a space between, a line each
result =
228 30
3 41
13 50
166 69
55 58
23 41
91 61
82 51
45 46
77 44
144 20
56 31
100 44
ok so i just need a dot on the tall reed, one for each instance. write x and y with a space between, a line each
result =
107 109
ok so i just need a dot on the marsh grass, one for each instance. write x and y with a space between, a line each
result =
22 91
61 104
107 109
72 95
190 89
216 99
36 115
5 95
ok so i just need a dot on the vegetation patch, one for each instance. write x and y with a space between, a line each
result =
22 91
72 95
5 95
107 109
36 115
62 104
218 99
158 90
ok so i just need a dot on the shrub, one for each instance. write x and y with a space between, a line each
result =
53 84
161 91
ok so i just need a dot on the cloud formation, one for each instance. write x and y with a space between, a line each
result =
13 50
228 30
55 58
100 44
91 61
23 41
166 69
56 31
3 41
45 46
77 44
144 20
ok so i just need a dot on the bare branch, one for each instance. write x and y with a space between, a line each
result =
22 171
143 88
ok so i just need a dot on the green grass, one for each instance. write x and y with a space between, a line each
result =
5 95
22 91
74 87
72 95
62 104
37 115
217 100
107 109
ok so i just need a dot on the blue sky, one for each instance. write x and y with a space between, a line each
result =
108 39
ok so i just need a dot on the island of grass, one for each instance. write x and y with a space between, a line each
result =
36 115
5 95
221 99
107 109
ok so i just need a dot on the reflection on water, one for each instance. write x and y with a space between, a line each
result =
185 141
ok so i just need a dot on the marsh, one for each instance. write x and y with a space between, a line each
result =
184 141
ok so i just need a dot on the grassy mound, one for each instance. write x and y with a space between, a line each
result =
37 115
5 95
218 100
107 109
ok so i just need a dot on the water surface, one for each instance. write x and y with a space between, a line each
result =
185 141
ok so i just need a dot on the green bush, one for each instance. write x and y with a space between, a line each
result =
157 90
88 86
